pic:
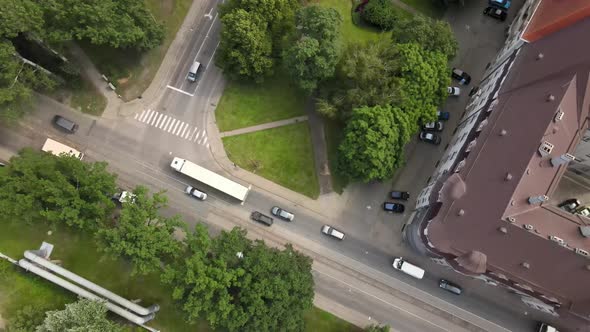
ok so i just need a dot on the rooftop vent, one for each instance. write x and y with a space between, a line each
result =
585 231
558 116
525 265
540 56
582 252
511 219
508 177
503 230
528 227
559 240
545 148
550 98
503 132
563 159
538 199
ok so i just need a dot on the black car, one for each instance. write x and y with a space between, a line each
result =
261 218
65 124
461 76
570 205
433 126
442 115
429 137
403 195
495 12
450 287
394 207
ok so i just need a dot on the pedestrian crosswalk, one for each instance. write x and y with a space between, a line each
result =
173 126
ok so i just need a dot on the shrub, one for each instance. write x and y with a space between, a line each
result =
382 14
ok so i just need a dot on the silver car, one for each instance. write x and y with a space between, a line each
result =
196 193
286 215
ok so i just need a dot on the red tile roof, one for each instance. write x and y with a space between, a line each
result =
554 15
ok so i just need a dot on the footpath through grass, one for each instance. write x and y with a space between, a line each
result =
283 155
430 8
132 71
78 253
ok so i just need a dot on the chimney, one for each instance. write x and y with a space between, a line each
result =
563 159
538 199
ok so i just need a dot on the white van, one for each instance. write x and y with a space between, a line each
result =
193 71
400 264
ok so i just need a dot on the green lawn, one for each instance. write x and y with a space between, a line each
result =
350 31
321 321
131 71
430 8
333 131
87 98
283 155
244 105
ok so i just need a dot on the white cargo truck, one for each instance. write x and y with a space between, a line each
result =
57 148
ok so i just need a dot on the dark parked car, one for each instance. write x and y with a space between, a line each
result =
500 3
433 126
261 218
283 214
450 287
461 76
495 12
65 124
570 205
443 115
403 195
429 137
394 207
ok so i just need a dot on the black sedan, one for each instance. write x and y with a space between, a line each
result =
394 207
495 12
403 195
450 287
428 137
461 76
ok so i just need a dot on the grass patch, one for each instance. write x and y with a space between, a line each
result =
319 320
334 131
350 31
430 8
131 71
247 104
86 98
283 155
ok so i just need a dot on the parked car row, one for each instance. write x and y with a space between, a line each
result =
497 9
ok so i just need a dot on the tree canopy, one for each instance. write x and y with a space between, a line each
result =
241 285
61 189
383 13
432 35
373 142
313 57
141 234
84 315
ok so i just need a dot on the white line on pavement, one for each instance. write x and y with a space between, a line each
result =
206 36
193 134
178 90
205 140
184 130
171 120
135 117
197 136
143 115
213 55
156 120
174 123
163 121
150 117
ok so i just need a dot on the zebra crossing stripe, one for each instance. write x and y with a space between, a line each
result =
143 114
205 140
150 117
175 126
184 130
172 125
155 122
163 121
171 122
197 136
182 124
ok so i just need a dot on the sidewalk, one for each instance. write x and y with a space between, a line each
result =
264 126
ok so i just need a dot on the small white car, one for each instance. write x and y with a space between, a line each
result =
196 193
453 91
285 215
333 232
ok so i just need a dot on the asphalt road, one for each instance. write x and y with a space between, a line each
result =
139 148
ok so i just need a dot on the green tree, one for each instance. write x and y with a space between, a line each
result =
315 54
377 328
383 14
422 79
141 234
246 47
432 35
241 285
38 185
373 143
84 315
26 319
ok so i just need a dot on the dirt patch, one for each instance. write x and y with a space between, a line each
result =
2 323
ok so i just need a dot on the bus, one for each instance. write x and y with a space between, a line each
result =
57 148
211 179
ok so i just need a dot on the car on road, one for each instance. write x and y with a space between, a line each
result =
283 214
64 124
544 327
194 72
442 115
461 76
453 91
393 207
403 195
261 218
500 3
450 287
569 205
333 232
495 12
433 126
124 197
196 193
408 268
429 137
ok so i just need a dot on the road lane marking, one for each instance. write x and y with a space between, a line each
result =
150 117
179 90
213 55
172 125
164 121
182 124
143 115
193 134
156 119
206 36
175 126
167 129
184 131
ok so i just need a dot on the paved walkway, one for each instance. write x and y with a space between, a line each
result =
264 126
320 148
400 4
